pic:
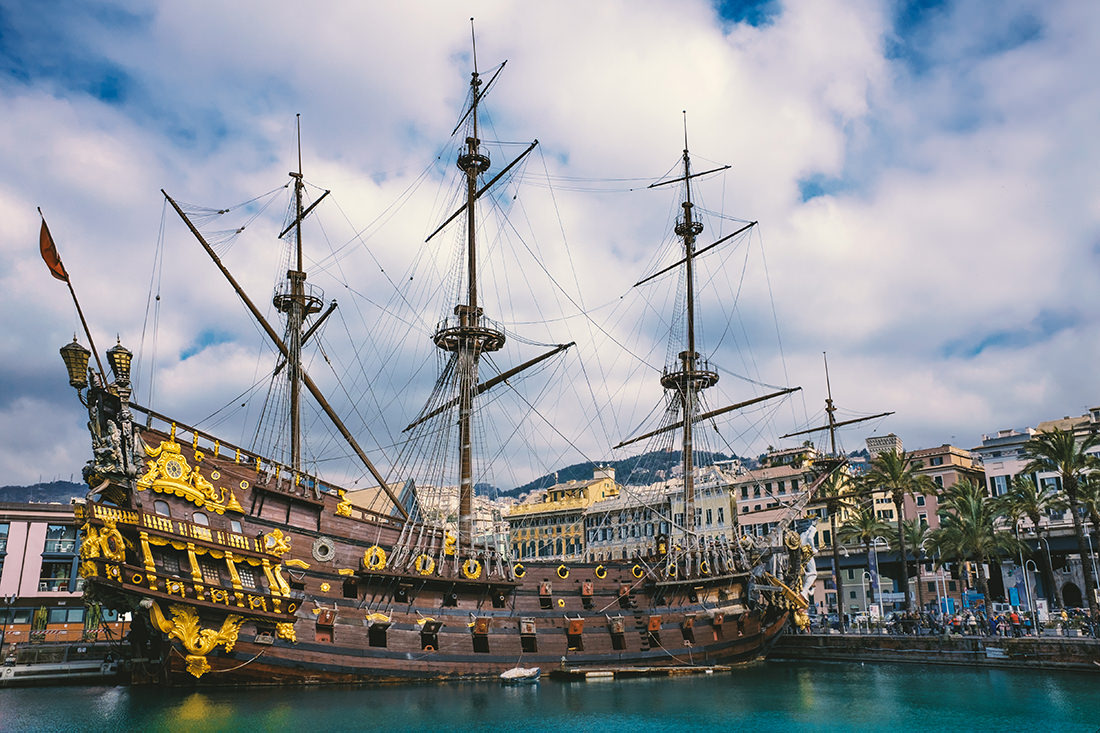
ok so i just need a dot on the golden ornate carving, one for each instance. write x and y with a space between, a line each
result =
110 541
170 473
300 564
276 543
198 641
374 558
343 509
424 564
89 548
106 542
286 631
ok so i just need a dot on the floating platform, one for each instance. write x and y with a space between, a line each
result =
584 674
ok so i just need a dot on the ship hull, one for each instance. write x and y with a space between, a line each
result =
237 577
315 664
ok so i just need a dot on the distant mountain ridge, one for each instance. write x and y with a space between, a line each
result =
642 470
44 493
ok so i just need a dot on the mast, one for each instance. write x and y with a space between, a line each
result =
691 377
298 303
465 337
830 408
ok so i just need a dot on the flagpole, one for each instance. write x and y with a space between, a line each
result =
87 332
64 275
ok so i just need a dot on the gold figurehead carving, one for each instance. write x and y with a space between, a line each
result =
170 473
198 641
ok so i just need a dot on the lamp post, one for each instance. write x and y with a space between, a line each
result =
1053 592
1031 597
877 575
935 581
866 608
1081 511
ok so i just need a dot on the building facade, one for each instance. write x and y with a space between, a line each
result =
40 590
551 525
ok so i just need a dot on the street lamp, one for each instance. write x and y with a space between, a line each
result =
875 579
1053 592
866 609
1031 597
1081 511
935 581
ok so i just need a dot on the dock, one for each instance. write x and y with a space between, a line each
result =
1028 652
585 674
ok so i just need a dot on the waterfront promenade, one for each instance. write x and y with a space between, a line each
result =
1047 651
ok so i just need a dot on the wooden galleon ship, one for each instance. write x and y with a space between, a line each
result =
240 569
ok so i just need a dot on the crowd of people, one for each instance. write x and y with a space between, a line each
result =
969 622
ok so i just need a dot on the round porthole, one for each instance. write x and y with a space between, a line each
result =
323 549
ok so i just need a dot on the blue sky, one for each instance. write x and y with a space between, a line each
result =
924 175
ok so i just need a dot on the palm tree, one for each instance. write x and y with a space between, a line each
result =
1024 499
968 532
896 472
914 533
863 527
1060 452
835 493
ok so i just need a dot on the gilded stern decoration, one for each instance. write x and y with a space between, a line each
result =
170 473
198 641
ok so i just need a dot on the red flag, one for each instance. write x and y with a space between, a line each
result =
49 254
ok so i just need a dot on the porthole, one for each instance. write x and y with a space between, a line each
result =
323 549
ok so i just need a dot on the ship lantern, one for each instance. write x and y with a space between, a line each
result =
76 361
120 357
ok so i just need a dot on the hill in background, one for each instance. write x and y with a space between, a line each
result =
54 491
642 470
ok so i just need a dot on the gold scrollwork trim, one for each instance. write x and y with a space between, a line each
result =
198 641
170 473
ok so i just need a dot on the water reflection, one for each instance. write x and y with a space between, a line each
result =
788 697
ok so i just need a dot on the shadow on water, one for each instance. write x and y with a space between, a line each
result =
774 696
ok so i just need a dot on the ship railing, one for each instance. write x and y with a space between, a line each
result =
178 528
220 449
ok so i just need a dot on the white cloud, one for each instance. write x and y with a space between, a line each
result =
949 268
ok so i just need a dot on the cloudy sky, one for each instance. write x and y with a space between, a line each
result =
923 174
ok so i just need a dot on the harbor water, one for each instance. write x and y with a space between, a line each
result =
767 697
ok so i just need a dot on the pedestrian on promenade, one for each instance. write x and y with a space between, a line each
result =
1014 619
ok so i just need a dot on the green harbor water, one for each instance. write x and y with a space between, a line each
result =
769 697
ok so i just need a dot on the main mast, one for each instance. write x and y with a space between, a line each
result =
465 337
689 377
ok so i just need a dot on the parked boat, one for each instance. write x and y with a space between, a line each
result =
520 675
